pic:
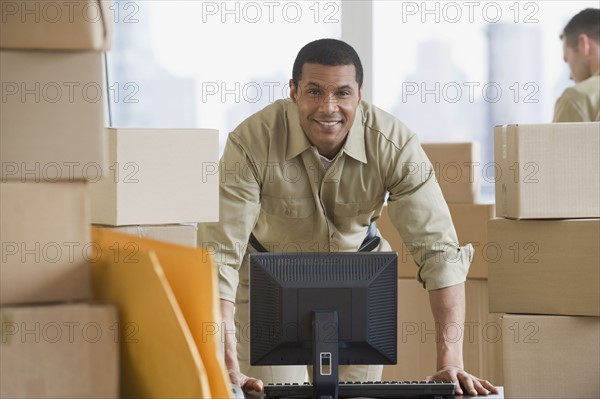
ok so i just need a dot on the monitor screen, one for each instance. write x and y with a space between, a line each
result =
352 295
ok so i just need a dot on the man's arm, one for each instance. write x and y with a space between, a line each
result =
448 308
231 360
239 208
419 212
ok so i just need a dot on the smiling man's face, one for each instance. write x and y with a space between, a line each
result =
327 99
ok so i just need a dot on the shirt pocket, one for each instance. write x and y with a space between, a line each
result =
294 208
285 221
353 216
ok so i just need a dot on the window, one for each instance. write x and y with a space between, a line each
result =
207 64
453 70
450 70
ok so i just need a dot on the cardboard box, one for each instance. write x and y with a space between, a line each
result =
416 335
57 25
182 234
457 168
545 266
551 356
470 221
45 242
59 351
52 124
548 170
159 176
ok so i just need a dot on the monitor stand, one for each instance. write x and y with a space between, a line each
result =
325 354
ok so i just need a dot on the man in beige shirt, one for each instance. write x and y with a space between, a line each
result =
581 49
311 174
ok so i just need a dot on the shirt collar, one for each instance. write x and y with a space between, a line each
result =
297 142
355 142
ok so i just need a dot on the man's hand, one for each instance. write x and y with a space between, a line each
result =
472 385
448 308
231 361
245 382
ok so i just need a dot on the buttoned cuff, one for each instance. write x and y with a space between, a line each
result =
446 268
228 282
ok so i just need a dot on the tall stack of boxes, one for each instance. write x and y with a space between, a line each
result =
55 341
458 170
62 171
545 273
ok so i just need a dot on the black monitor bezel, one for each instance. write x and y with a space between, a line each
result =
287 351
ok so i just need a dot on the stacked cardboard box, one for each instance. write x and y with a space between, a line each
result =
457 167
55 341
545 270
160 184
60 351
458 170
158 176
57 156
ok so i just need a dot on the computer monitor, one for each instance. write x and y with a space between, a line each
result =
323 309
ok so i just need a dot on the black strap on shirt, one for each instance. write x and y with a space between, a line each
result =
370 242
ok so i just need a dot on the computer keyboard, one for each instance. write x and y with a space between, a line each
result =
378 389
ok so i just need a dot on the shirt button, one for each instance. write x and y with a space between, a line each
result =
288 212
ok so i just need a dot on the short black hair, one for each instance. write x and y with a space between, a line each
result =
587 22
330 52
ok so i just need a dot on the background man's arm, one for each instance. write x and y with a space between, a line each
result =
567 110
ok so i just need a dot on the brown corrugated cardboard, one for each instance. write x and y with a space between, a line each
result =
58 25
45 242
416 334
457 168
182 234
470 221
60 351
159 176
551 356
545 266
52 107
548 170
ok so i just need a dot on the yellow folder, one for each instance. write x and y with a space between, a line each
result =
192 281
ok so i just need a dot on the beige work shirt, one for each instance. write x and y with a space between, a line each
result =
580 103
273 184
